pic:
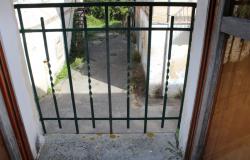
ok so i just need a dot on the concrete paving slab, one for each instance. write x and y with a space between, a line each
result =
107 147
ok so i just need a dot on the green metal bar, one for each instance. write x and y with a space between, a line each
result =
68 68
104 29
88 66
187 65
64 30
148 68
128 71
167 75
30 70
114 118
89 4
50 72
108 68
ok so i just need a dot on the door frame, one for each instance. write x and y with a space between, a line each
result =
220 25
12 109
209 77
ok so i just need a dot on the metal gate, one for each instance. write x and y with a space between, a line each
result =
128 29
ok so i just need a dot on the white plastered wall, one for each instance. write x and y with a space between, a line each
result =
194 69
11 42
31 20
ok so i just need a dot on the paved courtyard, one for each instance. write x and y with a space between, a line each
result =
118 68
108 147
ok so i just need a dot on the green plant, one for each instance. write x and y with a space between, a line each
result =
94 22
96 11
115 23
243 11
138 80
62 74
115 12
175 149
118 13
136 57
75 63
49 90
133 37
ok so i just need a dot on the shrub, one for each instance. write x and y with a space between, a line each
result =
136 57
115 13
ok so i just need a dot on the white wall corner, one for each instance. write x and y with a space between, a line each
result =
11 42
194 69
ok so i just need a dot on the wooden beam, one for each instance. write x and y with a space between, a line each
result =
238 27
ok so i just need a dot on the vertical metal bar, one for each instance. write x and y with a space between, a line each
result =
108 67
128 71
68 67
50 72
187 65
88 66
148 67
167 74
165 51
30 69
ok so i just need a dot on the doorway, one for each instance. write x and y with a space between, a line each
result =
229 132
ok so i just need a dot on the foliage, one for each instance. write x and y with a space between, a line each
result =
63 73
115 13
243 11
94 22
97 12
74 64
136 57
118 13
175 149
115 23
138 76
99 23
133 37
137 80
49 90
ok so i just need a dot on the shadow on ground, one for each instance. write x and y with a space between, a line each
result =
101 110
99 88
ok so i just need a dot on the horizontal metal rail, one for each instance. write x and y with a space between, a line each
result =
114 118
110 4
104 29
